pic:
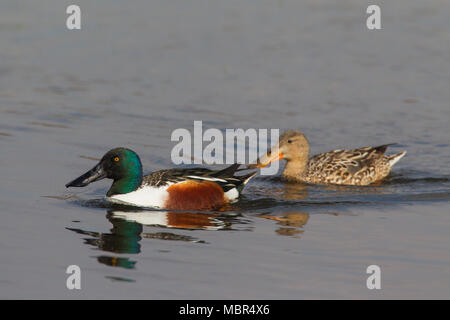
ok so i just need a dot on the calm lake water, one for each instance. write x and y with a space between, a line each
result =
140 69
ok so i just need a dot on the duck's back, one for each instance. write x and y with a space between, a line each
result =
360 166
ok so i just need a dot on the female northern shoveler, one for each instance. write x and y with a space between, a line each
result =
174 189
361 166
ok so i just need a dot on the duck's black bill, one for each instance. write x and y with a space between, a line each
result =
96 173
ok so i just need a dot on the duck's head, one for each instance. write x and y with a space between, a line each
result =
292 145
121 165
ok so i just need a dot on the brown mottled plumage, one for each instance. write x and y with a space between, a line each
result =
362 166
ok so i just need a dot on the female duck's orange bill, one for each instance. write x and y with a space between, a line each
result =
266 159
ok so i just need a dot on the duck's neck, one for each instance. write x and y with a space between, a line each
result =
126 184
296 168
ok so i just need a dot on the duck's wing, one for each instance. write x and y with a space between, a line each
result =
225 178
339 166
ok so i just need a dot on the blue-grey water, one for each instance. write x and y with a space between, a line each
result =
137 70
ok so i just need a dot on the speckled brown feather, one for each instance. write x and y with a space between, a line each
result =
360 166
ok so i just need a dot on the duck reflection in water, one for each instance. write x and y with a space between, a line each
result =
128 226
177 220
295 191
291 223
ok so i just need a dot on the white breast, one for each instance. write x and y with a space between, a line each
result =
146 196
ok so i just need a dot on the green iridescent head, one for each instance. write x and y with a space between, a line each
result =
122 165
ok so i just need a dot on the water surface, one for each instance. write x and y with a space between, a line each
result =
138 70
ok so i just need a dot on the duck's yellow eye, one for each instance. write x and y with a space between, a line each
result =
116 159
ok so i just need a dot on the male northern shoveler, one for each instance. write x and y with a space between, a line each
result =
361 166
173 189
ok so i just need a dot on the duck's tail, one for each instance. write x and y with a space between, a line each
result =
246 178
243 180
393 159
236 184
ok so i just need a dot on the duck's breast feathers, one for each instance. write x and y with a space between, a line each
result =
144 196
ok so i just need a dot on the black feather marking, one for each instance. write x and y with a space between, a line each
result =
227 172
382 148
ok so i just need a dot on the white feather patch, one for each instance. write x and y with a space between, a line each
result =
232 194
397 158
149 218
146 196
208 179
161 218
